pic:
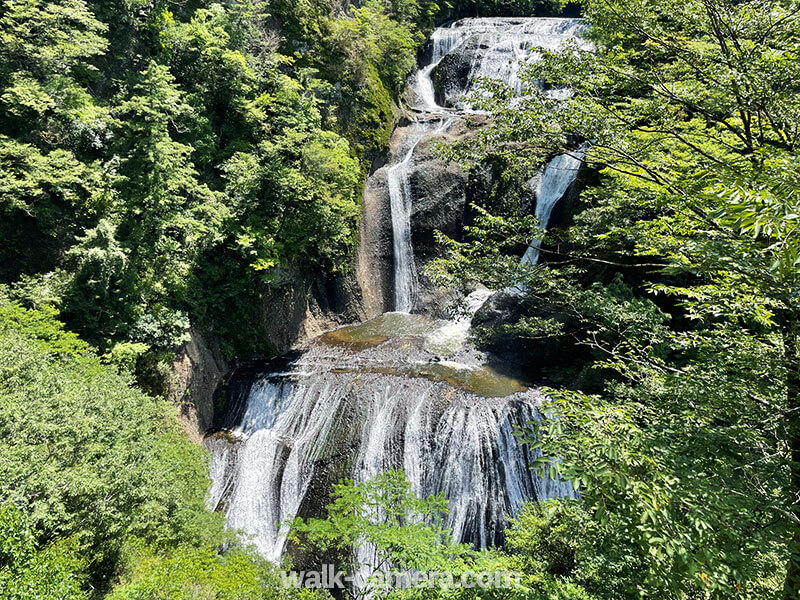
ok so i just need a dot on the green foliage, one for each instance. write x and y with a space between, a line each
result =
407 534
31 572
43 329
367 57
44 66
170 165
406 530
189 573
297 199
148 151
373 39
87 457
125 355
371 126
560 538
507 8
100 487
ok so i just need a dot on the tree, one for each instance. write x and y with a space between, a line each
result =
189 572
86 457
29 572
386 518
693 122
161 164
381 526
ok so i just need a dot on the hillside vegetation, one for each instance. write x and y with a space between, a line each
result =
164 166
162 163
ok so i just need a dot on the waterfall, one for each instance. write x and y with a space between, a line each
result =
402 390
455 333
499 48
264 479
297 426
405 272
550 187
443 41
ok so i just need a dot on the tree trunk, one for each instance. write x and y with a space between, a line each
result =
790 328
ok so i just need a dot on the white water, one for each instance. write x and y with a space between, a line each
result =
264 479
296 427
456 332
550 187
400 198
340 412
501 47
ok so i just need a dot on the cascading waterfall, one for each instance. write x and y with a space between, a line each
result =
447 424
403 390
443 40
264 479
502 47
405 272
550 187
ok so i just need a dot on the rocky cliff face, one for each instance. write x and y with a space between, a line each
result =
361 400
197 371
306 306
303 307
439 190
374 255
440 193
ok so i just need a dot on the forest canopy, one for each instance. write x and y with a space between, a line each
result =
162 164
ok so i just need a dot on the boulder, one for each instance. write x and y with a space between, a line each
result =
558 358
452 76
439 192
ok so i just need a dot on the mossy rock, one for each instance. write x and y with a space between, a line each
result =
369 119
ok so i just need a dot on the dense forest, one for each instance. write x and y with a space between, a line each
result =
166 167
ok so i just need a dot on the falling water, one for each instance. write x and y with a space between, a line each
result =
443 41
447 424
550 187
499 49
403 390
400 198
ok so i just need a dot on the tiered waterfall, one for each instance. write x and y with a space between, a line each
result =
403 390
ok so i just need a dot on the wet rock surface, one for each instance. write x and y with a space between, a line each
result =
554 359
400 391
451 76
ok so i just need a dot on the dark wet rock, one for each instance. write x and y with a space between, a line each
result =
557 358
375 253
298 308
439 191
304 306
451 77
439 203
